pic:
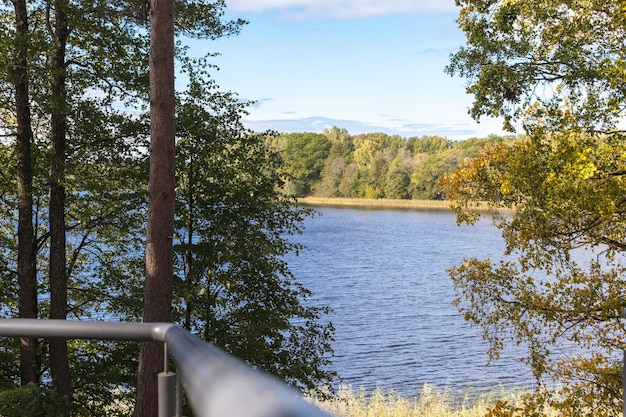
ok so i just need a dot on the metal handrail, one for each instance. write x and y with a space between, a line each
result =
215 383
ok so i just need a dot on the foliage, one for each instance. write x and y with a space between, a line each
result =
565 285
342 143
427 144
557 69
331 175
397 180
31 401
234 286
105 186
304 155
562 64
373 165
424 178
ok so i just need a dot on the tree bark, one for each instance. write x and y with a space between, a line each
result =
26 246
190 277
59 365
160 228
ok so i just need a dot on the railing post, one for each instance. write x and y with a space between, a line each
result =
215 382
179 396
167 394
166 389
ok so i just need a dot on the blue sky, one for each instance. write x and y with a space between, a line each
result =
363 65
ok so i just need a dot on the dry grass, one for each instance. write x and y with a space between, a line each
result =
430 403
376 203
385 203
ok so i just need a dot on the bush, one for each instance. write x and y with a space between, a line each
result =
31 401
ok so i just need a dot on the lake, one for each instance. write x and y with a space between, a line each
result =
384 274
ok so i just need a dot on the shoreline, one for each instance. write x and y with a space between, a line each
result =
375 203
388 204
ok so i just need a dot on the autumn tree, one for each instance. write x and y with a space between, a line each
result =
341 143
330 177
425 176
397 180
557 71
339 156
428 144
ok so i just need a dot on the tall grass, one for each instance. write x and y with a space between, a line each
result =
430 403
388 204
376 203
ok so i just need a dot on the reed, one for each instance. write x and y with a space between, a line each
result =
429 403
376 203
386 203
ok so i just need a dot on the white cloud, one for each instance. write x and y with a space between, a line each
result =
453 131
342 9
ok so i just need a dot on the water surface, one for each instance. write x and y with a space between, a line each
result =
384 274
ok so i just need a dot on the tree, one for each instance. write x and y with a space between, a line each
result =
424 179
557 70
157 302
554 293
84 62
350 181
233 286
101 172
558 66
47 88
304 154
330 177
339 156
367 158
397 180
27 246
342 146
428 144
59 364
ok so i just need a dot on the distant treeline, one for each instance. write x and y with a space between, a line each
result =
374 165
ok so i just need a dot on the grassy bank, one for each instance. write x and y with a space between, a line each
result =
385 203
430 403
376 203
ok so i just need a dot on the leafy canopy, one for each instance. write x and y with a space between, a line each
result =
232 284
555 65
238 227
557 70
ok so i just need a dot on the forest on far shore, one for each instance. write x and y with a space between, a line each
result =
372 165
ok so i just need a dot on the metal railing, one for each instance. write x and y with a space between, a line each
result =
215 383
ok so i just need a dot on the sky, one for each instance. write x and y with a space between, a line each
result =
363 65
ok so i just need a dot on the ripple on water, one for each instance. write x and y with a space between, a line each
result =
383 273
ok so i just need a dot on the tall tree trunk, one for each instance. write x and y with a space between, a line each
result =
59 365
160 228
190 277
26 246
